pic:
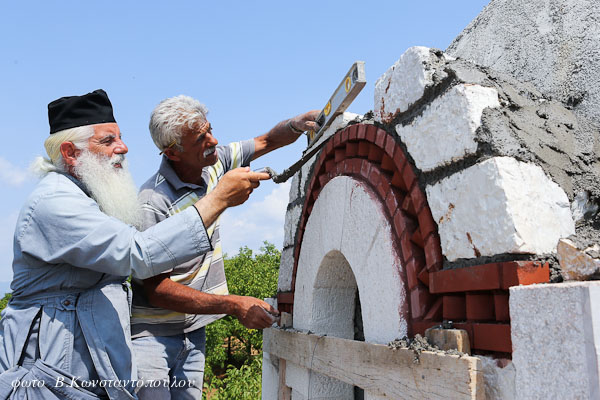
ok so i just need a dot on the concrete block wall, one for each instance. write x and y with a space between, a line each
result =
476 175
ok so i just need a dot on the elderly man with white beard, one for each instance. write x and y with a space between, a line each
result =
65 333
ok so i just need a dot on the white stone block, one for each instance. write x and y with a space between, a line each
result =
292 219
499 382
403 83
555 332
270 377
499 206
574 263
286 268
445 132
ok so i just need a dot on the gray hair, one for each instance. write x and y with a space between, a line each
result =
171 116
79 136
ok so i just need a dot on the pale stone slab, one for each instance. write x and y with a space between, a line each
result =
292 219
574 263
499 206
403 83
445 132
555 332
286 268
270 377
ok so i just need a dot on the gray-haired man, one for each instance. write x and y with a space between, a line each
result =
171 310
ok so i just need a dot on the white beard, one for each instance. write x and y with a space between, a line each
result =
112 188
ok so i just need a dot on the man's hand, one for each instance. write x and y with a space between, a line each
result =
233 189
306 122
285 132
253 313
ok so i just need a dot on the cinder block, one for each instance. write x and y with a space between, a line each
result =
292 219
286 268
445 132
404 83
499 206
556 337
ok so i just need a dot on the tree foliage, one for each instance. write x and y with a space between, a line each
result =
234 353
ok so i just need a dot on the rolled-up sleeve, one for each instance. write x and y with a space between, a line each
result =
69 228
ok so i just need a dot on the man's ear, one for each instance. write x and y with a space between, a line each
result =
172 154
69 153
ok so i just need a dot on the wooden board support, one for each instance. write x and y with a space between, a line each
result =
379 369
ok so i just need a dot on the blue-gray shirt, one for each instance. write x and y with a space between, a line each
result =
70 267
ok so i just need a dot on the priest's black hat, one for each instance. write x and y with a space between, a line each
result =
73 111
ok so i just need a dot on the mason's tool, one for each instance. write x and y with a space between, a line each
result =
339 101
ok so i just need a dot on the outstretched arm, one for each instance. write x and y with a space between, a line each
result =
164 293
285 132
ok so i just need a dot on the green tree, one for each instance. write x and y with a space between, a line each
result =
234 353
4 301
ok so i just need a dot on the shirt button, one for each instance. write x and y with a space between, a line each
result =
67 303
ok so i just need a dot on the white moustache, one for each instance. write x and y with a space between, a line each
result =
209 151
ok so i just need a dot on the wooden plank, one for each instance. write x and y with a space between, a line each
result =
379 369
284 392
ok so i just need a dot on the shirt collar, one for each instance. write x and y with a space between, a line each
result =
167 171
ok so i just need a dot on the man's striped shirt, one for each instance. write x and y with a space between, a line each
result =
163 195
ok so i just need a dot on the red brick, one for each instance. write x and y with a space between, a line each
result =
426 222
337 140
344 136
501 306
354 165
398 181
384 186
309 208
418 198
399 159
392 199
363 148
480 277
424 277
340 154
362 132
454 307
323 179
315 193
387 163
492 337
418 240
352 131
420 301
351 149
380 136
408 206
480 306
412 273
408 175
390 146
420 327
371 132
409 249
433 253
330 165
365 169
340 168
467 326
375 154
516 273
435 312
285 298
402 223
374 176
329 146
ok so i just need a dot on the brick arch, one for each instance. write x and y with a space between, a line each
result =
369 154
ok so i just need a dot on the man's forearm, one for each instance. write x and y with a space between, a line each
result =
280 135
174 296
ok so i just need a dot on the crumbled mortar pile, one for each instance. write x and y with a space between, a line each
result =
419 344
522 124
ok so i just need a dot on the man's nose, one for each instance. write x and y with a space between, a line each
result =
121 147
212 140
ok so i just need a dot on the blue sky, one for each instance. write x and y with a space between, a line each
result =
252 63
